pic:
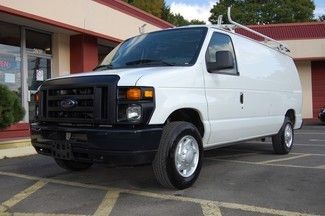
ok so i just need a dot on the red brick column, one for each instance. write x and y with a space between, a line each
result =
83 53
318 85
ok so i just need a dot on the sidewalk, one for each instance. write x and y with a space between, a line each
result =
16 148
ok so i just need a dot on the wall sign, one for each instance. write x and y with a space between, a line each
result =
10 78
39 75
7 62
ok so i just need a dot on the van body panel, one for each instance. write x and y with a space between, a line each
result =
270 86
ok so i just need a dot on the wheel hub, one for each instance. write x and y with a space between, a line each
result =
187 156
288 135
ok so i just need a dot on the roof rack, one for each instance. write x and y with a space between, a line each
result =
275 44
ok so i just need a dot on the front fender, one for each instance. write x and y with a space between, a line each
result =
169 100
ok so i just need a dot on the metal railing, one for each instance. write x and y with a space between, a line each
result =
275 44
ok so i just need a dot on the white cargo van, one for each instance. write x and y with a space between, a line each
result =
165 96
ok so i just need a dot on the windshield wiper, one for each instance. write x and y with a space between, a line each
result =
149 62
107 66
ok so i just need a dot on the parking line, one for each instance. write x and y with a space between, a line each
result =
210 209
310 133
295 144
321 167
234 155
284 159
274 165
317 140
249 152
108 203
237 206
22 195
39 214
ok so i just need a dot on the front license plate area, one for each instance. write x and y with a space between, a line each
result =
62 150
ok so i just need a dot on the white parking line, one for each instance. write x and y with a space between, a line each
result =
309 133
321 167
248 152
237 206
284 159
295 144
234 155
317 140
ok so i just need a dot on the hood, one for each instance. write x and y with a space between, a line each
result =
128 76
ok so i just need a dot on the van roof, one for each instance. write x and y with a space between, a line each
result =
229 28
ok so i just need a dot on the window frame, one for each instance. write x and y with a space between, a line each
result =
234 52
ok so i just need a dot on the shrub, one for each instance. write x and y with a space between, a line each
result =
11 110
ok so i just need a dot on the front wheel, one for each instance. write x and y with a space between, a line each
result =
179 158
72 165
283 141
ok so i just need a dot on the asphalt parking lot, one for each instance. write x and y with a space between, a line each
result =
244 179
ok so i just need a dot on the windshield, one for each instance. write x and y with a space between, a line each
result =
175 47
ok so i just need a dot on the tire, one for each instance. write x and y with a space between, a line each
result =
185 138
72 165
282 143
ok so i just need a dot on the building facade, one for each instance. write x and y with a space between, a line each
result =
43 39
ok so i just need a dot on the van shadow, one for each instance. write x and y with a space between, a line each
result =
142 177
136 178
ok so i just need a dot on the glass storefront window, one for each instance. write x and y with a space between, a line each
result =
10 60
38 43
37 54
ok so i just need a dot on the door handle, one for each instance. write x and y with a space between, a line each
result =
241 97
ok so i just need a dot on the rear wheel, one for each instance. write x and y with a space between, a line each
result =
179 158
283 141
72 165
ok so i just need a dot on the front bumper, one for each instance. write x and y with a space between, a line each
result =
118 146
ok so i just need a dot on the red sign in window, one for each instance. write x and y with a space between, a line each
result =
4 64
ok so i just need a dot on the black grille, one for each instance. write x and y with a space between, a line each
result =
84 111
92 104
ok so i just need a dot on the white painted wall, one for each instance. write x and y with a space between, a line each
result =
304 69
310 48
61 54
84 14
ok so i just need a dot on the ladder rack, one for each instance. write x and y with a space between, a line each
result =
277 45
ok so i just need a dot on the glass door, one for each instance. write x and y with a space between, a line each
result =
39 70
38 52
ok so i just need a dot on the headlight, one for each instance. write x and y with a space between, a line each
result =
134 112
135 105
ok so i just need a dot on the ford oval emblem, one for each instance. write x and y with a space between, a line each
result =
68 103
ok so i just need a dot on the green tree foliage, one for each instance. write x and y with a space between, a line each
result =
153 6
265 11
11 110
160 9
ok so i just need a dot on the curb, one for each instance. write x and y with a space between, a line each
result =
15 143
17 152
16 148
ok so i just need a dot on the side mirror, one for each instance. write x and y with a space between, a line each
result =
224 60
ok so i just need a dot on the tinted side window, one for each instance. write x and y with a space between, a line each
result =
221 42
